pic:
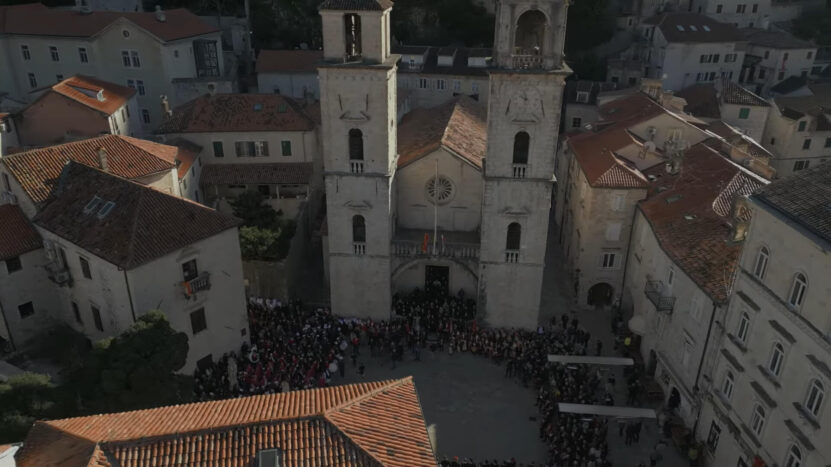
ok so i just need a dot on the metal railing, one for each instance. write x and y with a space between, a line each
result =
410 248
654 291
200 283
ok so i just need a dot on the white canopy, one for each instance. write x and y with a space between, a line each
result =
607 410
588 360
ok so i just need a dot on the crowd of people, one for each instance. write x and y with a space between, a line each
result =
292 347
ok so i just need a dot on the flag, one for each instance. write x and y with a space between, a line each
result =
426 242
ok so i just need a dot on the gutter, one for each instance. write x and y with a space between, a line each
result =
130 296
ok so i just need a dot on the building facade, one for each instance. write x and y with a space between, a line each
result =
798 131
773 56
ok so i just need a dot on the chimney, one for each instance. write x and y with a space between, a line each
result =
103 164
166 106
160 16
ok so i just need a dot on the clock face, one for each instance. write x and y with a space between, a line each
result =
525 106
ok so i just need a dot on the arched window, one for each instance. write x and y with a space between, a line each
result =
794 458
352 29
356 145
744 327
522 141
800 285
358 229
761 265
757 421
777 354
816 393
727 385
514 236
530 32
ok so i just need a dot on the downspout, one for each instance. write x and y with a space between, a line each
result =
696 388
6 323
130 296
628 252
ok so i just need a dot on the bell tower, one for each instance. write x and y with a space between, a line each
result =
526 89
358 122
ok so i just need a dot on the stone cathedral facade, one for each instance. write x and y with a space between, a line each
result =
457 196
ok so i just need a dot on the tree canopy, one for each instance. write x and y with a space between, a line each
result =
265 235
23 399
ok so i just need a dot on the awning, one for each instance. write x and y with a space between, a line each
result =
588 360
288 173
638 325
607 410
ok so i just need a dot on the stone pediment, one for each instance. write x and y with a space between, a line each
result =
358 205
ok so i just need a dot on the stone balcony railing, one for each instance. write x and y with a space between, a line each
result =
356 166
656 294
359 248
511 256
527 59
519 170
200 283
412 249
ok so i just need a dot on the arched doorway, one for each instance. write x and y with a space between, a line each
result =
600 295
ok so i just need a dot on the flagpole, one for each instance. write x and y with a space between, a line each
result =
435 207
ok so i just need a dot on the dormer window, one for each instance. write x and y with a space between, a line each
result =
582 97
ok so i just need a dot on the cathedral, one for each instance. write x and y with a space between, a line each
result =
456 196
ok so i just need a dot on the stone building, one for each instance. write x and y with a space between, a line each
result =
727 101
365 169
773 56
765 401
291 73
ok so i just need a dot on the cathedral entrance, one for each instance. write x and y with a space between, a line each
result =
600 295
437 279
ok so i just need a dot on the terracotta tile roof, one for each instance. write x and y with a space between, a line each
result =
366 5
144 224
804 197
238 112
289 173
689 214
632 108
692 27
17 236
37 170
734 93
84 89
187 154
367 424
36 19
702 100
288 61
460 125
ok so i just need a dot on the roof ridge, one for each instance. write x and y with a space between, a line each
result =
333 425
390 383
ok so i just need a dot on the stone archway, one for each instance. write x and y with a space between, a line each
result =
423 269
600 295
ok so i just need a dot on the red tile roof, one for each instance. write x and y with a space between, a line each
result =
37 170
17 236
36 19
238 112
144 224
290 173
85 89
690 216
459 125
288 61
367 424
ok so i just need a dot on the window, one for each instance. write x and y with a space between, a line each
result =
145 116
727 385
125 58
85 267
26 310
716 58
828 142
761 73
740 8
59 78
781 76
219 149
358 229
706 58
801 165
423 83
712 438
77 313
513 240
24 50
33 83
744 327
757 421
285 147
608 260
794 458
670 276
777 355
773 141
13 264
522 142
785 57
356 145
617 202
53 52
810 54
189 270
440 84
797 295
816 393
730 58
176 53
474 88
761 265
613 231
270 458
96 317
755 9
260 148
576 122
140 87
744 113
134 57
806 144
197 321
457 86
686 357
582 97
719 8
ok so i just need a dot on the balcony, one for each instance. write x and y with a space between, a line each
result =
411 243
200 283
59 274
527 59
656 294
359 248
356 166
511 256
519 170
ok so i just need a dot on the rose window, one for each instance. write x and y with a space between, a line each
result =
439 189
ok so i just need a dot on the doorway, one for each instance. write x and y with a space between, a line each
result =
600 295
437 279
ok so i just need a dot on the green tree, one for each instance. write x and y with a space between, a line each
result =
134 370
23 399
254 212
257 243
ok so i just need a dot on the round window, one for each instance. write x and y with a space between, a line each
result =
440 189
125 33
